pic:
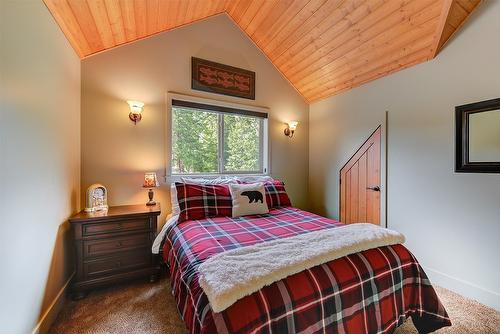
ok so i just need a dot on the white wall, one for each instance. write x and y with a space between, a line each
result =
116 153
452 221
39 163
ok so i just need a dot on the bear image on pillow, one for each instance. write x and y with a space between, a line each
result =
253 196
248 199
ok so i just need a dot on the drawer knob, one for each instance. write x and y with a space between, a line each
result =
119 244
118 263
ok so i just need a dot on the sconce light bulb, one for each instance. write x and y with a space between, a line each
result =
293 125
290 129
135 106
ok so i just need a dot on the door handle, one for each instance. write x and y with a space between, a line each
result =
376 188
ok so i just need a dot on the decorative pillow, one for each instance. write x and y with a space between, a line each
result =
248 199
276 195
173 200
198 201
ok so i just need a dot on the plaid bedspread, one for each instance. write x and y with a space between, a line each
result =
368 292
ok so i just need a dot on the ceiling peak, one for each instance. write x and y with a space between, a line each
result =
322 47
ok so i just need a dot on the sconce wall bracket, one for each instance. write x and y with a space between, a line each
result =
135 117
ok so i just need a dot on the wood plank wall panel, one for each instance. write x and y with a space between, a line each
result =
323 47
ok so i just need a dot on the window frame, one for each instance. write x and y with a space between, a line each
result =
220 108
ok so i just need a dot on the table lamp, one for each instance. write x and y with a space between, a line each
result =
150 181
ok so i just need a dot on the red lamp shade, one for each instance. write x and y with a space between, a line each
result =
150 181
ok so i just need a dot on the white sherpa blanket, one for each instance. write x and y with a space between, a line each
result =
234 274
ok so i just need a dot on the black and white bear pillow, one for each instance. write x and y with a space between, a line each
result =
248 199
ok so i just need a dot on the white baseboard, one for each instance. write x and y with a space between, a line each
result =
464 288
53 310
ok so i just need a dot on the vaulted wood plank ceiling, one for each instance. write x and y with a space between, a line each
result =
323 47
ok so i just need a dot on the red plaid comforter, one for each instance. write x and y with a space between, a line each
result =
368 292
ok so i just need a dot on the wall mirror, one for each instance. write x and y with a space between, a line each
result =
478 137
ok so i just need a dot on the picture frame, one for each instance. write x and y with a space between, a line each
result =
212 77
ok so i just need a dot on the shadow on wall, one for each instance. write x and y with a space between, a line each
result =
59 273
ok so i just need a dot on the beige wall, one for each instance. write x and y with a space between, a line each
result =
39 161
452 221
116 153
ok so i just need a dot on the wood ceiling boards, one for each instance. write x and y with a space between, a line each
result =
323 47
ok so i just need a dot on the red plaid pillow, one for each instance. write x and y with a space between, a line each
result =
276 195
198 201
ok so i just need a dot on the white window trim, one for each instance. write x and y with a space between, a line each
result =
266 147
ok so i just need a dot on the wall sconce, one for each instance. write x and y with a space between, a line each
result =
135 114
290 128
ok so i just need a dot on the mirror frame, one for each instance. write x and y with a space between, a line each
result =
462 163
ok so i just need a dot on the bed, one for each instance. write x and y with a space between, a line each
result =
373 291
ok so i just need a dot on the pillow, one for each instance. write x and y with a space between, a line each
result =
173 200
198 201
248 199
276 195
253 178
201 180
195 180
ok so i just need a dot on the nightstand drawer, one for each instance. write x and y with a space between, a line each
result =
124 262
94 248
118 226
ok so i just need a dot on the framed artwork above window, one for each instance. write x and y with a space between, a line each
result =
212 77
209 137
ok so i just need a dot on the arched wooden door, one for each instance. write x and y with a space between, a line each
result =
360 184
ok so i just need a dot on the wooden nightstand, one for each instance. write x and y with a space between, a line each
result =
114 246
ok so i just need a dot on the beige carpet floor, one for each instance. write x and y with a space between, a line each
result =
150 308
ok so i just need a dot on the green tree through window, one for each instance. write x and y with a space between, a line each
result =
205 141
194 141
241 143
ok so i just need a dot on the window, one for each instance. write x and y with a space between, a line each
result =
214 139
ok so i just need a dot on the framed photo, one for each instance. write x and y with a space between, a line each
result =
212 77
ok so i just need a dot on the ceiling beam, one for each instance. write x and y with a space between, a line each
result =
445 12
454 13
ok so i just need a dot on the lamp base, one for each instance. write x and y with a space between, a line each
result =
150 195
